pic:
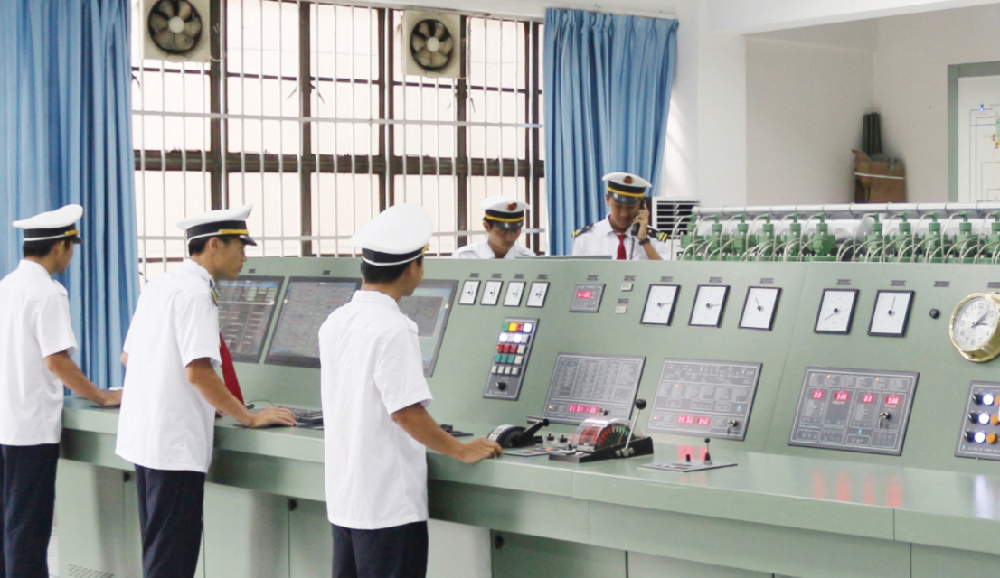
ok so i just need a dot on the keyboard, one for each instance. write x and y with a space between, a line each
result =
307 416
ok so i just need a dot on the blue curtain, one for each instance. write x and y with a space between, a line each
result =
607 82
66 134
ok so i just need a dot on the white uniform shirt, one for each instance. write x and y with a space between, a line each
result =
165 424
481 250
601 240
376 474
34 324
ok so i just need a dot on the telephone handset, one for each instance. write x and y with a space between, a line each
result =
635 226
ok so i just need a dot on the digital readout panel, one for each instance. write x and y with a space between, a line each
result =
510 358
586 298
854 410
585 385
704 398
980 429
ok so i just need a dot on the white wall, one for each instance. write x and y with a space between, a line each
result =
805 103
911 86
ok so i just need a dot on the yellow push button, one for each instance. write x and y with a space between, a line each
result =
991 438
995 419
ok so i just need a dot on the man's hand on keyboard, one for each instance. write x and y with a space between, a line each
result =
273 416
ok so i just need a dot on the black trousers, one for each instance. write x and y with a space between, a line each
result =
170 517
29 493
399 552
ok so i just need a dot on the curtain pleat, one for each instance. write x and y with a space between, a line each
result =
66 136
607 81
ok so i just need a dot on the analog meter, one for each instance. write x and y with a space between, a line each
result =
973 327
836 311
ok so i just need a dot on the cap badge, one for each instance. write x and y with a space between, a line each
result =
511 206
629 180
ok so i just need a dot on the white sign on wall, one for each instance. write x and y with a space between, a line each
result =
979 138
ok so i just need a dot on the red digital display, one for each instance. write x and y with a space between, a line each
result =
818 394
704 421
591 409
680 419
689 419
867 398
841 396
892 400
584 294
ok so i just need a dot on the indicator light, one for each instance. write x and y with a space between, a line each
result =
991 438
503 338
988 399
527 327
995 419
983 418
979 437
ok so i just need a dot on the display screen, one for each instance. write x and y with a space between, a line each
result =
429 307
818 394
584 294
841 396
245 309
591 409
308 302
892 400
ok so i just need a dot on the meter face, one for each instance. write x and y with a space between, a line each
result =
836 311
759 308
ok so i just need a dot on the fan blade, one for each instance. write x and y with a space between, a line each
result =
184 10
424 29
417 43
423 58
193 28
157 23
183 42
166 8
446 45
438 60
165 40
438 29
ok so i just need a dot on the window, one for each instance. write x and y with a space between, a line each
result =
308 115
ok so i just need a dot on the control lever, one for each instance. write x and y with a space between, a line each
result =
640 404
537 423
708 454
884 417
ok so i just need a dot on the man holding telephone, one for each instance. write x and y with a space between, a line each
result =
625 234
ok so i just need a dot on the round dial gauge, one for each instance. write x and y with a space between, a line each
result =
973 327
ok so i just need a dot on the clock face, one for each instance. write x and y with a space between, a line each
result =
836 311
892 313
491 294
760 307
974 325
708 305
536 297
660 304
469 291
513 296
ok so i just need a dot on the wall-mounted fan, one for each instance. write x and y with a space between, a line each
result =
177 30
432 44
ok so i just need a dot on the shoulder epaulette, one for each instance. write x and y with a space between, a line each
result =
657 234
579 232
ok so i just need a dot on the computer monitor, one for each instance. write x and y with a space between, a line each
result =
429 307
308 302
246 306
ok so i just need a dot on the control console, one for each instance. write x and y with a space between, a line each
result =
977 436
704 398
855 410
510 358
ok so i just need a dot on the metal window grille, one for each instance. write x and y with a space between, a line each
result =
305 112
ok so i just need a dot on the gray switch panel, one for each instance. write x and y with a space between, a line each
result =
510 358
980 429
587 298
854 410
586 386
704 398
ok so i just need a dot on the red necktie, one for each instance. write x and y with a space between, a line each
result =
229 372
621 248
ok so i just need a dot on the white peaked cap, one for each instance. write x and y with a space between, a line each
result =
395 236
55 224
